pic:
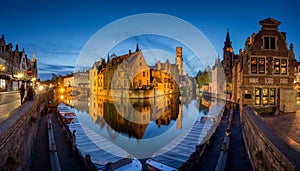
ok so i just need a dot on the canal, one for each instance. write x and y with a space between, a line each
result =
139 126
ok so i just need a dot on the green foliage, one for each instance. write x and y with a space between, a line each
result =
203 77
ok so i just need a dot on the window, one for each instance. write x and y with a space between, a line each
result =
272 96
265 96
257 65
261 65
144 74
253 65
266 43
141 64
257 96
273 44
283 66
280 66
270 43
276 66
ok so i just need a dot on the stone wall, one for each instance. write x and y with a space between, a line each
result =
267 150
17 134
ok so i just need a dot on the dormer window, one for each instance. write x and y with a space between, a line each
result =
270 43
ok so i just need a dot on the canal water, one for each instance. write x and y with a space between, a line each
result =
139 126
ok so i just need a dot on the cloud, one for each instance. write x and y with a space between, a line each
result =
46 70
54 68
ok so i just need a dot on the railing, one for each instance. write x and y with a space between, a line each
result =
225 147
55 164
267 150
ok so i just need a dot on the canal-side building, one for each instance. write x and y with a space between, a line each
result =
81 79
263 75
15 67
131 72
69 80
165 77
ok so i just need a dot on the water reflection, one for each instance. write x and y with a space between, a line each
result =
161 111
137 124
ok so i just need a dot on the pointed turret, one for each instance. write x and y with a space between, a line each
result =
34 57
227 43
2 40
228 57
17 48
137 47
108 58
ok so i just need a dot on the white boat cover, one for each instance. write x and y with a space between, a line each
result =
179 150
99 148
103 153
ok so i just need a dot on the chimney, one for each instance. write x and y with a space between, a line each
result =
241 52
129 52
252 38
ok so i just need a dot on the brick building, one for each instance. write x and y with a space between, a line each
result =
15 67
264 70
131 72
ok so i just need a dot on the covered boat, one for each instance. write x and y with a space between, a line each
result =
173 155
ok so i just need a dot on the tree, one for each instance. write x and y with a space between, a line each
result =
203 77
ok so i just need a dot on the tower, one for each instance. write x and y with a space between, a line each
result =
34 62
179 60
137 46
228 57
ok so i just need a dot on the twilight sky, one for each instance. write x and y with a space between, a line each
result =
58 29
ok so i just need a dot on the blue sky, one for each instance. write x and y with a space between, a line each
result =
58 29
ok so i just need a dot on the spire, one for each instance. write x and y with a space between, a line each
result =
34 57
227 43
108 58
137 46
2 38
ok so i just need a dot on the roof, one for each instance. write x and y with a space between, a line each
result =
269 23
96 64
227 43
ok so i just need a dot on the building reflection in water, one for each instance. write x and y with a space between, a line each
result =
136 124
132 116
208 102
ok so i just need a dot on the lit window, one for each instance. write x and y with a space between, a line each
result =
265 96
257 96
257 65
261 65
272 96
283 66
276 66
280 66
253 65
